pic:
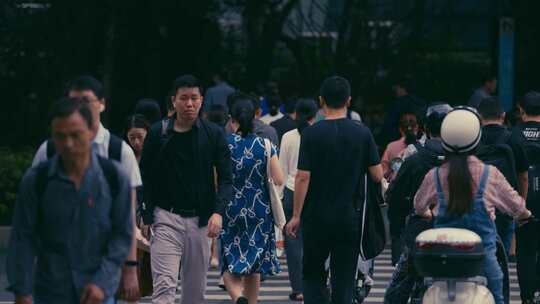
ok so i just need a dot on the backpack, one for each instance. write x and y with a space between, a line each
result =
109 171
501 156
114 151
372 229
532 151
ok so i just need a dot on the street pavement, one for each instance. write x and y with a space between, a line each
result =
275 290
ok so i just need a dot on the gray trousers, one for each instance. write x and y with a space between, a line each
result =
178 243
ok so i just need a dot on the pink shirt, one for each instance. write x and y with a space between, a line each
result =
392 151
498 193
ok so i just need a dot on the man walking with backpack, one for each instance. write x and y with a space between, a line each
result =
498 147
106 145
72 219
335 155
527 240
182 206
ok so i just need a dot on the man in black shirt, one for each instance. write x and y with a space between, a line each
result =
182 207
495 133
334 156
286 123
527 241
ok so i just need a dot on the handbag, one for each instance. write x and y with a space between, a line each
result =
275 200
372 230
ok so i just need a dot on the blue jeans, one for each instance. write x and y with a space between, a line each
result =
494 275
505 229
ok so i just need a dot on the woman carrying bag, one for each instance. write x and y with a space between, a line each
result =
248 237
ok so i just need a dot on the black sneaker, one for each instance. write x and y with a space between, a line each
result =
242 300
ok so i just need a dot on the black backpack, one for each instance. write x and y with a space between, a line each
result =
372 229
109 170
501 156
114 151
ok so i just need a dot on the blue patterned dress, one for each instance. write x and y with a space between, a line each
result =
248 238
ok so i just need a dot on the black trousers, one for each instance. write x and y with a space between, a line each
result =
341 244
527 256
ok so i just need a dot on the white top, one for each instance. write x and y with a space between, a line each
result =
288 156
101 145
268 119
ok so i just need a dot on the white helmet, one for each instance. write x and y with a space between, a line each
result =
461 130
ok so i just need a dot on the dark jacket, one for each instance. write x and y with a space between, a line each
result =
400 195
210 150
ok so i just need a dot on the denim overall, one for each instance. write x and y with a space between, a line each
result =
478 221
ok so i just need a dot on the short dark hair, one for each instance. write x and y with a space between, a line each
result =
86 83
434 122
187 81
488 77
404 81
335 91
137 121
149 108
531 103
490 108
66 106
238 95
289 106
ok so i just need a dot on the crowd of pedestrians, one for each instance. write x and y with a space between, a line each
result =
108 220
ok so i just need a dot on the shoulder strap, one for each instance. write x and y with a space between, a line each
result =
40 184
51 150
438 186
268 150
115 148
483 181
164 125
111 175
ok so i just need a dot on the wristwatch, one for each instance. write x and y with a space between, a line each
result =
131 263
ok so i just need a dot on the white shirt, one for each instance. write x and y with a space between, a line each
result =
268 119
288 156
101 145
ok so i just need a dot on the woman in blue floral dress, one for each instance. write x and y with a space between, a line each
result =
248 239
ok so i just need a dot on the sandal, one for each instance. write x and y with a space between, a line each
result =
296 296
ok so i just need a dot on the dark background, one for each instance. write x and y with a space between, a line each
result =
138 47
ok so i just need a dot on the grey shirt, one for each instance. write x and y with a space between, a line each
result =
217 95
477 97
74 236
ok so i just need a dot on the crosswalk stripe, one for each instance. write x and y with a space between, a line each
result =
276 289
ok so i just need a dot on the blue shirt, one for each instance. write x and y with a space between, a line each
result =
71 237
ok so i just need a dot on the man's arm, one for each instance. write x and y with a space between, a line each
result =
148 157
119 239
301 185
300 191
23 240
376 173
222 163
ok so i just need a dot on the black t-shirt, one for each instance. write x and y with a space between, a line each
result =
493 133
283 125
529 133
181 171
337 153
